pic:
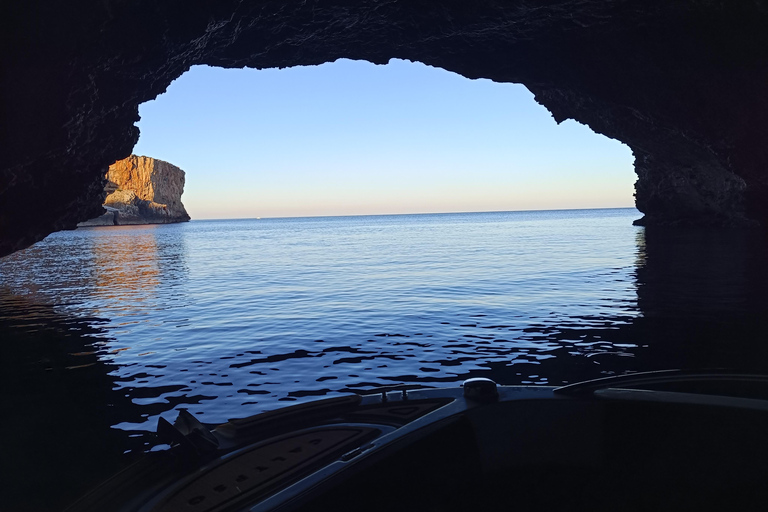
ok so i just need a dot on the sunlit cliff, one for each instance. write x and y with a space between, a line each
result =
142 190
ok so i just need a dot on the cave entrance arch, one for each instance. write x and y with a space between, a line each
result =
351 137
682 84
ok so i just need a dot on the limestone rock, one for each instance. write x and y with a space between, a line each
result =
142 190
106 219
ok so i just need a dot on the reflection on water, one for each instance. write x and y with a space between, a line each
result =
126 264
60 392
113 327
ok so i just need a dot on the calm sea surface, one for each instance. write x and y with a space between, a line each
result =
104 330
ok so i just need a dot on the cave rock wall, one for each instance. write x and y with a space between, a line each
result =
681 82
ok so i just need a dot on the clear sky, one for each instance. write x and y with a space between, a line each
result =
350 137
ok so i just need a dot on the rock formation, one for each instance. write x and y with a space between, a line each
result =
682 82
142 190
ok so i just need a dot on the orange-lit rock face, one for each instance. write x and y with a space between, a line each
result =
150 179
142 190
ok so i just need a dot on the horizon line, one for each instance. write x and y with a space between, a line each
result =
416 213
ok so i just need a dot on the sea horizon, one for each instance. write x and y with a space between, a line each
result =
417 213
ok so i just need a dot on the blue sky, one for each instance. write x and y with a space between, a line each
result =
350 137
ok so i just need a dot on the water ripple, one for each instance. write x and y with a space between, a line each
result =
228 318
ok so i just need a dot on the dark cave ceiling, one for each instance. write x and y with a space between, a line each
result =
682 83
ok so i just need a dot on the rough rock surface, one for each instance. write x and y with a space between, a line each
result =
682 82
105 219
142 190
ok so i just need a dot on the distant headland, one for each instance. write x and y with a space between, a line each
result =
142 190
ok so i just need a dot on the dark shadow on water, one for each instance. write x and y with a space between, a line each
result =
58 405
702 301
703 295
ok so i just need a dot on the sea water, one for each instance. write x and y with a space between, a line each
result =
216 315
105 330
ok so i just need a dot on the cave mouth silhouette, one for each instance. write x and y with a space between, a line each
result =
682 84
354 138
